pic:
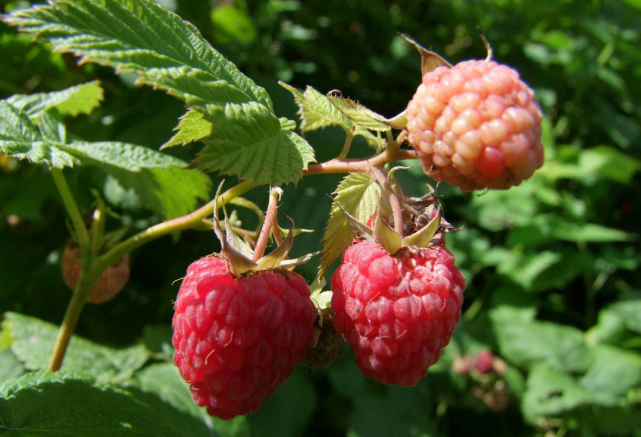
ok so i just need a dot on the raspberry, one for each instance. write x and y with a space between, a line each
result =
397 311
476 125
324 352
238 339
108 285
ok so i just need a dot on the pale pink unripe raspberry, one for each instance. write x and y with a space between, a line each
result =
476 125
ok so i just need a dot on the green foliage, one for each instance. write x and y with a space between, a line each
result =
65 404
33 342
552 265
358 195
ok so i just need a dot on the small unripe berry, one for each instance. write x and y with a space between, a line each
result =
108 285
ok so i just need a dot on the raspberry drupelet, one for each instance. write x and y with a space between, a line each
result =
476 125
397 311
238 339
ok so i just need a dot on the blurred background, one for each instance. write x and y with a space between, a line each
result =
549 343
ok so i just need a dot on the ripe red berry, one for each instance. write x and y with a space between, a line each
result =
476 125
108 285
397 311
238 339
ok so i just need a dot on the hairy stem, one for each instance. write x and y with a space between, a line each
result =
348 142
358 165
72 208
393 198
270 216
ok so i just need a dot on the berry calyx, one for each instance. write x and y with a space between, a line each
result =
109 284
476 125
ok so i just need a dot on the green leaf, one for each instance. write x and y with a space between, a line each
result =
317 112
293 417
612 374
157 339
79 99
358 194
10 366
191 127
141 37
251 145
123 156
232 24
35 339
359 114
550 393
173 400
21 139
170 192
531 343
395 411
158 180
588 233
63 404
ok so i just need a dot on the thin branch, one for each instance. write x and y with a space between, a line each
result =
82 233
270 216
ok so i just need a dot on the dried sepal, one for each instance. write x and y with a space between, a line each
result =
430 61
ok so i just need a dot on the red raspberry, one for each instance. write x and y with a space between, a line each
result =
398 311
108 285
476 125
237 340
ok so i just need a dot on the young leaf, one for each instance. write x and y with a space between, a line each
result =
79 99
191 127
34 341
357 194
251 144
317 112
141 37
359 114
71 405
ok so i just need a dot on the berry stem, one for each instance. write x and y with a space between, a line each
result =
71 320
270 217
394 202
348 142
358 165
72 208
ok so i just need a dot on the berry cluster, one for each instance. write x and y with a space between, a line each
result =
241 325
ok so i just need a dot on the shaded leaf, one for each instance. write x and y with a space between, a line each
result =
34 341
66 404
531 343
